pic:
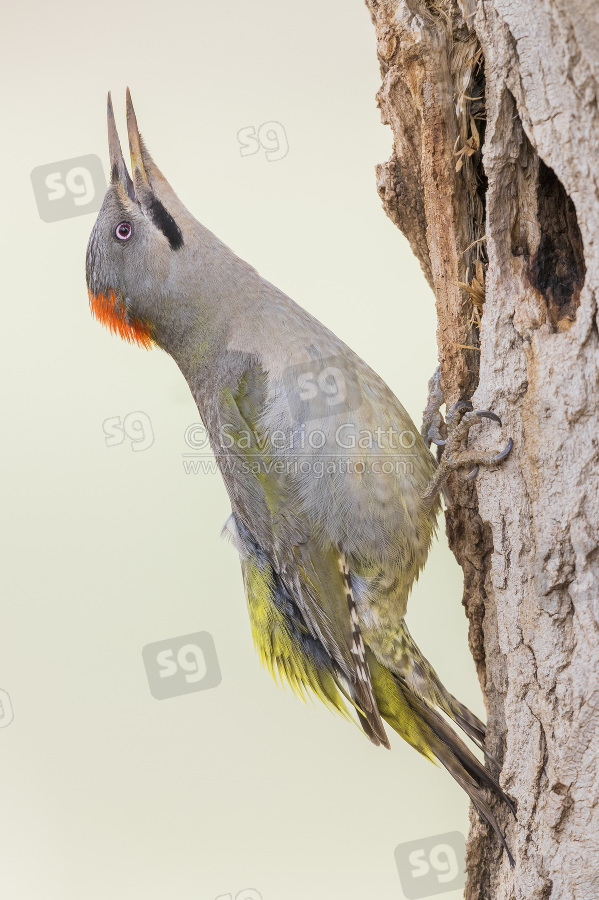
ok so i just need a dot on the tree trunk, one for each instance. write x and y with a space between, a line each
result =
493 179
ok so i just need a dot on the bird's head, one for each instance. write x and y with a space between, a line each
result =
137 249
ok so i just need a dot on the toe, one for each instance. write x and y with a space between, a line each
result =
461 407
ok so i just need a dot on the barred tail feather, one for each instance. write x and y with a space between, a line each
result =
424 729
427 685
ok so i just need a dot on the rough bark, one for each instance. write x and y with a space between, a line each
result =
507 92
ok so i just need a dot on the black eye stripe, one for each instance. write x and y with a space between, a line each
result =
163 220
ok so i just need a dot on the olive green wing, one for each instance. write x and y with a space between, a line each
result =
314 574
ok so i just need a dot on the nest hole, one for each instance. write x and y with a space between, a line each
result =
557 269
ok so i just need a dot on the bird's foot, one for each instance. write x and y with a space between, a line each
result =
459 420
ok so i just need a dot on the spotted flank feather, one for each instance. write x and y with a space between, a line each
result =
367 708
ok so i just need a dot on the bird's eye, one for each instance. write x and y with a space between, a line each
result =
123 231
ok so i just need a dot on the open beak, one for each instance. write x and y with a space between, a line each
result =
147 187
118 169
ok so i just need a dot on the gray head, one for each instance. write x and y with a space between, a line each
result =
142 246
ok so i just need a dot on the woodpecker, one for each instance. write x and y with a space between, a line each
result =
334 492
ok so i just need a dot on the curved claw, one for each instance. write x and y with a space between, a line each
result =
496 459
505 452
485 414
433 435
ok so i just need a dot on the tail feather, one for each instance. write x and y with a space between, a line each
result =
427 685
422 727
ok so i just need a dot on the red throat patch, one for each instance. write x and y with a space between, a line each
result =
112 313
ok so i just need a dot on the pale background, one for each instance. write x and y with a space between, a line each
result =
107 793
